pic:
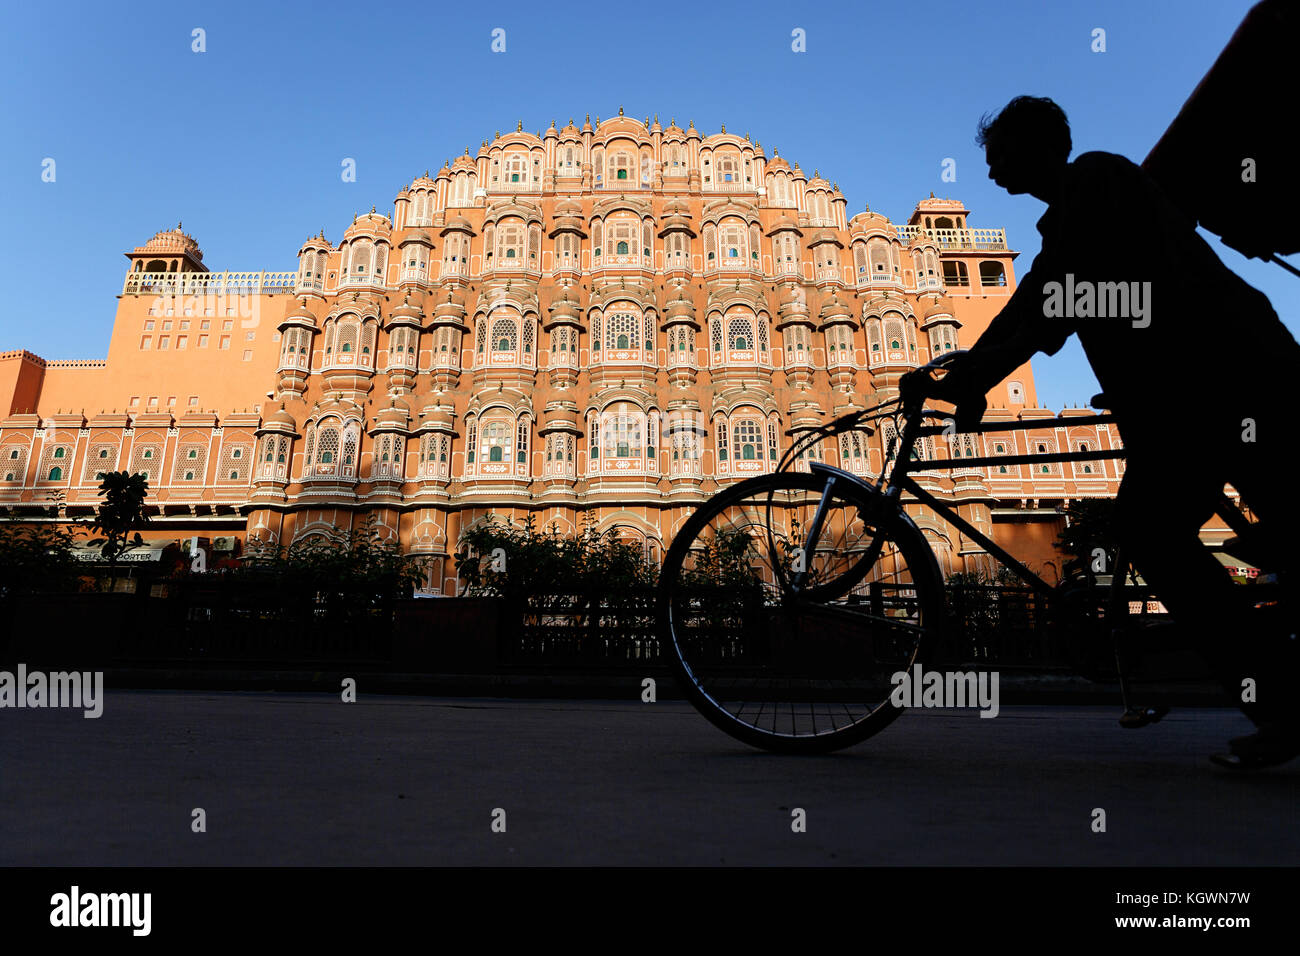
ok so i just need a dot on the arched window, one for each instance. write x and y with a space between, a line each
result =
56 473
496 441
622 436
504 335
746 440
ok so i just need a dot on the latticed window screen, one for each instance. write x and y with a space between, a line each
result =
622 432
652 441
13 462
621 331
274 457
528 335
715 333
327 451
505 335
733 242
100 457
346 338
894 334
349 463
649 334
234 463
146 459
496 441
191 460
521 441
1045 447
746 441
762 336
55 455
740 334
880 259
622 232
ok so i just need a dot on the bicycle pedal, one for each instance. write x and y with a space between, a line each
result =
1136 717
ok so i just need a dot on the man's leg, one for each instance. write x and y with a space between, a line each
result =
1159 520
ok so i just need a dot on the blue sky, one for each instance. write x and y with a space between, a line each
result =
244 141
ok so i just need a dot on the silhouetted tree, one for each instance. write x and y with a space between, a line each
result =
118 515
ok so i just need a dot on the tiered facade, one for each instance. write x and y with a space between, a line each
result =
610 320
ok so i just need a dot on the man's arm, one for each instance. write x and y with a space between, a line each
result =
1018 332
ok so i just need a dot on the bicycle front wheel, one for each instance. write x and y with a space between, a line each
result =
788 602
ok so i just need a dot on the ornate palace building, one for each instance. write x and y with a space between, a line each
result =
613 319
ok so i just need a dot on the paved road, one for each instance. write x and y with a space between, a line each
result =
305 779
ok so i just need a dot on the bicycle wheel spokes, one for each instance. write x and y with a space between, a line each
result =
755 632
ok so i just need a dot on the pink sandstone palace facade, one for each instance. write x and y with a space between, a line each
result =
609 320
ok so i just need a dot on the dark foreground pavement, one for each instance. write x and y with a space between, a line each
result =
299 779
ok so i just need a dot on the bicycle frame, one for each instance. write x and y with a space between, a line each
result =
900 478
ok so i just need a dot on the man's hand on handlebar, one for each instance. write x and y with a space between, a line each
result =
959 386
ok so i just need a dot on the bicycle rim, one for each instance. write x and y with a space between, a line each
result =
788 669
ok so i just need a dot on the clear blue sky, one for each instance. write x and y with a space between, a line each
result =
244 142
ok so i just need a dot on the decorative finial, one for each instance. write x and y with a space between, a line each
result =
724 127
775 152
816 174
372 208
620 109
931 193
519 126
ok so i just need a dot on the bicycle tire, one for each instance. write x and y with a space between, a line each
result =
891 520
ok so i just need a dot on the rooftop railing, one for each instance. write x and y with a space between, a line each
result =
981 239
209 283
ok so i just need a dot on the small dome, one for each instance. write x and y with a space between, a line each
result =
833 309
784 224
171 242
279 420
457 224
406 312
564 307
394 417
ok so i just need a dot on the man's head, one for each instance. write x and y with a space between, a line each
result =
1027 146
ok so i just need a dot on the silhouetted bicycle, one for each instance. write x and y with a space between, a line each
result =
788 601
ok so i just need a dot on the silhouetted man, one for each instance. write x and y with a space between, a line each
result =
1195 365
